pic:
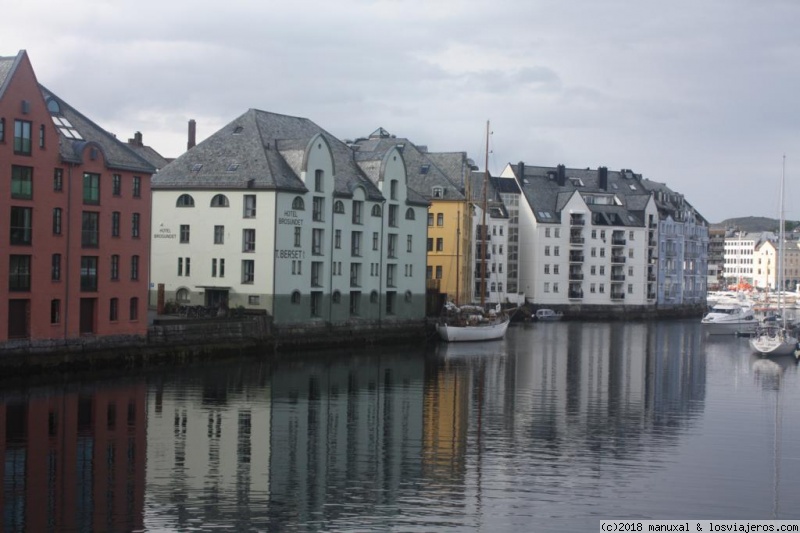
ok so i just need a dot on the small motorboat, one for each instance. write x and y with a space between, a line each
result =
547 315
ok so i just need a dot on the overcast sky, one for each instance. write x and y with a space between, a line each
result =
703 95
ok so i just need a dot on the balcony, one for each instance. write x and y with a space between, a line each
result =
577 222
575 258
651 295
617 277
617 295
433 284
576 276
651 276
575 295
653 225
618 241
617 259
652 243
576 240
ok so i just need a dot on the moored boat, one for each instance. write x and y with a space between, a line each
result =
729 318
548 315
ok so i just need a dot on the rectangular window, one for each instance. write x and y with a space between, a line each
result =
358 207
428 272
41 136
113 309
355 302
219 234
135 267
2 130
55 267
298 236
21 182
391 275
134 311
58 179
440 219
115 224
392 252
19 273
547 286
547 269
546 250
57 216
316 303
430 219
393 210
90 229
430 244
21 225
222 268
88 273
355 274
55 311
439 272
116 184
22 137
249 206
248 271
115 267
375 240
137 187
355 244
180 266
316 241
184 236
318 209
337 239
409 241
91 188
214 268
316 273
556 250
253 299
318 180
390 302
135 226
439 244
248 240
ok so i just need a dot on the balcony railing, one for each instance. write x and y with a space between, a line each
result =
617 259
577 222
618 241
617 277
433 284
575 295
576 258
651 296
576 240
617 295
576 276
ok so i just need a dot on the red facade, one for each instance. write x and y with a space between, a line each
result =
74 220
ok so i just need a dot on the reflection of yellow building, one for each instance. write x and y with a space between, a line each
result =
449 229
445 422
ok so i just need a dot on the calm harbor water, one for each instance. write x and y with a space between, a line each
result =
553 428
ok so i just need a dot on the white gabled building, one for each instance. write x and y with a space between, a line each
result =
585 237
272 212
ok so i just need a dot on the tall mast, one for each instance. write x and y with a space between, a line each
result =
483 221
458 255
780 247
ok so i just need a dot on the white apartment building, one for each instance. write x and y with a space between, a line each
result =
739 254
273 213
766 272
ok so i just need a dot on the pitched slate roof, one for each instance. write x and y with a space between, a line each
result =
669 202
370 163
547 197
261 150
7 66
117 154
423 174
147 153
495 206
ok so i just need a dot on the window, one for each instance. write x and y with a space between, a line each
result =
318 208
185 200
116 185
57 215
439 244
19 273
21 182
393 190
391 275
113 309
430 244
391 298
546 250
547 286
373 297
555 250
338 207
438 192
392 245
55 267
115 224
134 310
55 311
90 229
298 233
602 288
248 271
114 267
21 225
410 214
556 232
440 219
337 239
355 244
546 232
547 269
137 187
91 188
336 297
88 273
135 267
555 287
2 130
214 268
376 210
430 219
182 296
393 211
602 270
630 288
295 297
249 206
184 233
409 241
316 241
248 240
316 273
439 272
22 137
298 204
180 266
58 179
135 226
222 267
219 234
358 207
220 200
318 180
355 274
355 302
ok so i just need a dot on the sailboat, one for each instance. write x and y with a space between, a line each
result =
775 338
473 322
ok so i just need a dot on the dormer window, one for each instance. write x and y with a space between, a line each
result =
438 192
237 130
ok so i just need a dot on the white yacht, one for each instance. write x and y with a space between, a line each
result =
730 317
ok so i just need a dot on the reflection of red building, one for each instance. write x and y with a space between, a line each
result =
74 219
74 461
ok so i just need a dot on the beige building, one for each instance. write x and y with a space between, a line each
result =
765 265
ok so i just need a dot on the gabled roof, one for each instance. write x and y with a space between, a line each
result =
669 202
147 153
84 132
371 163
262 150
547 197
423 173
7 66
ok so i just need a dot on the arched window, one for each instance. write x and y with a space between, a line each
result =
182 296
408 296
499 286
298 203
338 206
296 297
410 214
373 297
185 200
376 210
337 297
220 200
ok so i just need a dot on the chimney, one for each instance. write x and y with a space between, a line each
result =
192 134
562 175
137 139
521 170
602 178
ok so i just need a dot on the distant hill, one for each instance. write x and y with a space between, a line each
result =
755 224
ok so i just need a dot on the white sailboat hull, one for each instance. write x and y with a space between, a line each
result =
774 343
469 333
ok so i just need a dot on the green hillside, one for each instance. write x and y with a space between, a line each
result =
755 224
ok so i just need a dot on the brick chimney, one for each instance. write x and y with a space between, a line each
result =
137 139
192 134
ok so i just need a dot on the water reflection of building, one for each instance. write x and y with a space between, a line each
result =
74 460
209 450
344 436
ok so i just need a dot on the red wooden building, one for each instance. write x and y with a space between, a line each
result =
74 221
